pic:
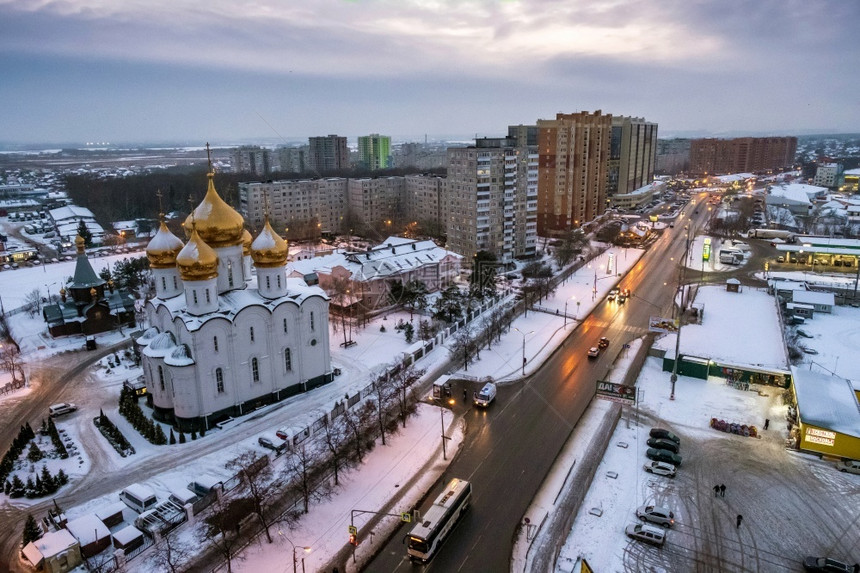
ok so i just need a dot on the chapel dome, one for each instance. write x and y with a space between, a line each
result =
218 224
197 261
269 249
163 248
247 239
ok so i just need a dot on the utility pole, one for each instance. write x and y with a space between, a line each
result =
674 377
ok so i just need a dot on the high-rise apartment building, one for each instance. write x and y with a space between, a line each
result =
327 153
374 151
489 185
574 151
741 155
291 159
306 206
251 159
632 155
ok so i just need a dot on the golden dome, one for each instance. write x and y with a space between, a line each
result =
247 239
217 222
269 250
197 261
80 243
163 248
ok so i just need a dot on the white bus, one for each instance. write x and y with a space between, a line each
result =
426 537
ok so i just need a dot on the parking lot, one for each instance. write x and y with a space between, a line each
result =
793 505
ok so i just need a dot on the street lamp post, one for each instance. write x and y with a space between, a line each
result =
306 549
524 346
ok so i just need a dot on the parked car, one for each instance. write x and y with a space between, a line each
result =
593 352
826 565
621 299
660 469
656 514
603 342
663 456
646 533
850 466
275 444
664 435
803 333
612 294
663 444
61 409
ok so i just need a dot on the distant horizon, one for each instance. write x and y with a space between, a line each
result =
44 147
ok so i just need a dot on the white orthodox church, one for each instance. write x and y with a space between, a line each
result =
222 341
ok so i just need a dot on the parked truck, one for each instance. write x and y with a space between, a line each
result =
786 236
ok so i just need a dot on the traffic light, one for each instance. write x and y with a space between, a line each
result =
353 539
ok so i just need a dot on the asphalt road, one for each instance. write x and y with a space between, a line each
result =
509 449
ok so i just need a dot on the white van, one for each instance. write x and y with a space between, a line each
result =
182 497
486 395
138 497
60 409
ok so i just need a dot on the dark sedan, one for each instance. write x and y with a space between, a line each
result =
663 456
663 444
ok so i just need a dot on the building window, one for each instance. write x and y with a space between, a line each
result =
174 283
268 283
161 378
164 283
279 281
252 334
285 326
255 370
230 274
288 360
312 321
208 300
219 380
215 343
194 295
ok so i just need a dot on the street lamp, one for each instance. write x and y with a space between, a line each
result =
524 346
565 309
306 549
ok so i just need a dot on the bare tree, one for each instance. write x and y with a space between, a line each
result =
10 361
223 519
301 463
357 422
334 438
461 348
259 482
403 385
33 301
171 554
382 391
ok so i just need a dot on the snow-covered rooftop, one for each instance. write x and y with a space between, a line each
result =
803 296
70 212
127 534
88 529
52 543
827 401
724 315
797 192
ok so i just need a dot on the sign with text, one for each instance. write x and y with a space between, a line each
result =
660 324
823 437
616 392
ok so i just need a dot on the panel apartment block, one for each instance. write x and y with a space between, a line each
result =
572 172
251 159
426 200
741 155
319 202
374 151
376 199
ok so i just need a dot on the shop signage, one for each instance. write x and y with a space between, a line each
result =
823 437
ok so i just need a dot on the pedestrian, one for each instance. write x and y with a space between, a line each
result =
722 490
766 423
740 518
465 395
716 490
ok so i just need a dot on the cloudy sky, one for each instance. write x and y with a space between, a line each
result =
227 71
